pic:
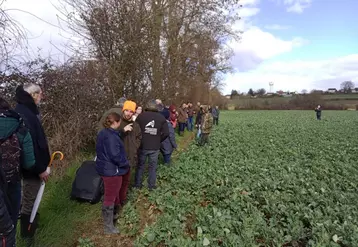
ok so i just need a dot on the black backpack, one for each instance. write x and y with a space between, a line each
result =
10 149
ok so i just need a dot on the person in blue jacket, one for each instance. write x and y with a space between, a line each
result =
113 166
168 145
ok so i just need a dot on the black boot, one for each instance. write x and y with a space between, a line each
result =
116 213
107 213
26 234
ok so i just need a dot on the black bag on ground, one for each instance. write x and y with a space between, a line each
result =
88 185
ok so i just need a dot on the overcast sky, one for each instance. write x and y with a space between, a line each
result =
296 44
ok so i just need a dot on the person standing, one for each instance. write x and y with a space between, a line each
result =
190 117
113 166
206 126
216 113
28 97
16 154
318 111
169 144
154 129
182 118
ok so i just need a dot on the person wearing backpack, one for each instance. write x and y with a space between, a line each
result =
16 154
7 229
28 98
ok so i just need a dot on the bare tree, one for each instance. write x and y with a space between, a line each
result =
12 37
347 86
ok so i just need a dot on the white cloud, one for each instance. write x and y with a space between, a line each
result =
296 6
277 27
297 75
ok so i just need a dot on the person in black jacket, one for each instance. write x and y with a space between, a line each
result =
154 129
27 98
7 229
198 121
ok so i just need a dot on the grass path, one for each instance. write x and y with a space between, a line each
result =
64 222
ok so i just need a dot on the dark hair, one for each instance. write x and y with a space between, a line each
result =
4 105
110 119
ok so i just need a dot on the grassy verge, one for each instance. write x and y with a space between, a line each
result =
64 222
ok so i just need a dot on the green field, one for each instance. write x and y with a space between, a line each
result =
268 178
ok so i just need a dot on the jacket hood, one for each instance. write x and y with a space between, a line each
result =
24 98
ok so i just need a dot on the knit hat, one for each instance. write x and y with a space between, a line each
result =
129 105
165 113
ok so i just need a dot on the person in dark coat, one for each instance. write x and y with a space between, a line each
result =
318 111
7 229
216 113
154 130
28 98
198 121
169 144
113 166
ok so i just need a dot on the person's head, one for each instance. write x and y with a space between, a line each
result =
183 105
158 102
113 120
151 106
198 104
129 107
166 113
4 105
121 101
35 91
139 110
217 107
319 106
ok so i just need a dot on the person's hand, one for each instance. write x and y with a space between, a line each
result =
129 127
44 176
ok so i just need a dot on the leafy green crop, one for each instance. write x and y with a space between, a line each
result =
267 178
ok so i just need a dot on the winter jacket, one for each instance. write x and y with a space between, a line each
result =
9 125
131 139
111 156
28 110
115 109
207 123
169 144
190 112
215 112
7 233
154 129
318 112
182 115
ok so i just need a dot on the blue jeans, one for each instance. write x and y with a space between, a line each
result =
152 155
167 158
14 195
181 128
190 124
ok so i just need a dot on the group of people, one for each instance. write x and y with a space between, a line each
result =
24 157
128 136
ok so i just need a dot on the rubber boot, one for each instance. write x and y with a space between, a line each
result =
116 213
107 213
28 235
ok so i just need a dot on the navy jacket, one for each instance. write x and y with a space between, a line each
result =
111 156
29 112
169 144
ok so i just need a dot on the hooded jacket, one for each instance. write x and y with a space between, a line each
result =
28 110
111 156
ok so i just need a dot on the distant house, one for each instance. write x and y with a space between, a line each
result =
228 96
355 90
332 90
